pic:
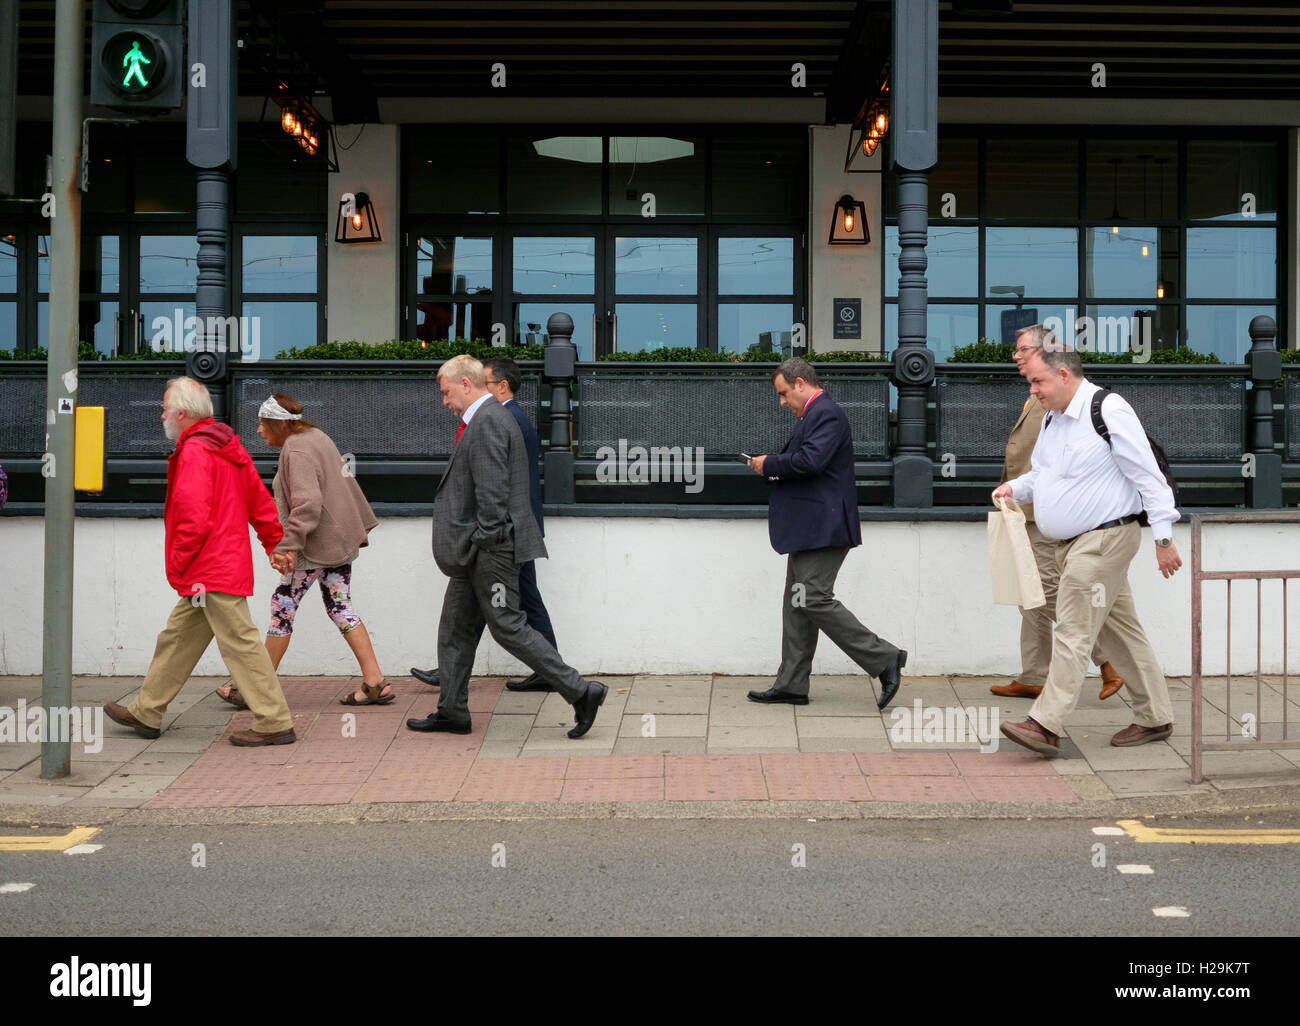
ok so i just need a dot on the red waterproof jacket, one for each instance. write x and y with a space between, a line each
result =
213 494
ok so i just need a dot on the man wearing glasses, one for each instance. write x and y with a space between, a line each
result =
503 381
1036 624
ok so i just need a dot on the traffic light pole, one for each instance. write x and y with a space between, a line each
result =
61 380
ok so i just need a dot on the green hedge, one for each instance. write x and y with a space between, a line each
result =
410 349
985 351
684 354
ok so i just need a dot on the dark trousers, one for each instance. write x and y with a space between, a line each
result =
491 592
809 606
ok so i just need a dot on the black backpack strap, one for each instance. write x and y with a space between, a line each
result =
1098 421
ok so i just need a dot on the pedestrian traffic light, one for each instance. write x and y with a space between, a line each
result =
138 54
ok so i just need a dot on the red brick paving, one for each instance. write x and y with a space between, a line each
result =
371 757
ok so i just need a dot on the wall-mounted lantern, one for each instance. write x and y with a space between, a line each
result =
849 223
356 221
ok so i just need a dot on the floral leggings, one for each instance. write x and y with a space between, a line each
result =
335 587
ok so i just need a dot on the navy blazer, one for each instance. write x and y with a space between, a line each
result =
814 499
534 449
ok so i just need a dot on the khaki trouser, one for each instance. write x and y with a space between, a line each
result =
1095 606
1036 624
183 641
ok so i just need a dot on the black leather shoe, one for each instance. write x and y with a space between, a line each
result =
436 722
890 679
773 695
533 683
586 707
429 677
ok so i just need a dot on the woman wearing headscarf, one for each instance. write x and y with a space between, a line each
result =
326 521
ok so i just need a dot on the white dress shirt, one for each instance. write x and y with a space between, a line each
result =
473 408
1078 482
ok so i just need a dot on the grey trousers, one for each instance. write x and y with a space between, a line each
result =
808 606
492 592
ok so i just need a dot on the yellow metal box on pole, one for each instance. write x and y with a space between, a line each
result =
88 472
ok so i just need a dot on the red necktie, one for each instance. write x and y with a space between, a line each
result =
460 430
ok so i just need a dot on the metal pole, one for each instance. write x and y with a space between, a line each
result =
211 300
558 366
61 376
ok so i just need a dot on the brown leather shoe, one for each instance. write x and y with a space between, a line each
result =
1110 681
120 714
1136 734
252 739
1017 690
1034 736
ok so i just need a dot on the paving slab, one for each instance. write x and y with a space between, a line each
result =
663 725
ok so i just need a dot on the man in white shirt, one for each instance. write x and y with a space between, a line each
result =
1087 496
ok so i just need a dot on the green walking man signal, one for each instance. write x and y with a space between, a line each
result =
135 58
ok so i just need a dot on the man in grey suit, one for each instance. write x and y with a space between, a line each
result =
483 530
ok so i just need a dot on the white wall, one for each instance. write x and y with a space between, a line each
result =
842 272
642 596
365 279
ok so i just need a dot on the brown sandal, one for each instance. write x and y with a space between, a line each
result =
374 695
233 697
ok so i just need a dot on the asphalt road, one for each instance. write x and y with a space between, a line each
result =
663 877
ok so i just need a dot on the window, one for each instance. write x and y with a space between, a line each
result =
535 222
1174 238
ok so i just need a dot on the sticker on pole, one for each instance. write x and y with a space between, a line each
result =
65 405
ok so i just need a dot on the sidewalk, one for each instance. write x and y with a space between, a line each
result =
687 746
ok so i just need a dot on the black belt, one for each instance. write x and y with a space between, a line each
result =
1131 518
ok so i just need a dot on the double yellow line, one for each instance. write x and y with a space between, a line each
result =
35 842
1197 835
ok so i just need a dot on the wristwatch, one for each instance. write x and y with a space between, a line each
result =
1164 543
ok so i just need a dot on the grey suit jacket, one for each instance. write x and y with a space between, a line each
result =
482 501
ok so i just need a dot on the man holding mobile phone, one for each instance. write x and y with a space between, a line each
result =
813 520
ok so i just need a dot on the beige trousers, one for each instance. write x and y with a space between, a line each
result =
183 641
1036 624
1095 606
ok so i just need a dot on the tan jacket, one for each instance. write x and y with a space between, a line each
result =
1020 446
328 517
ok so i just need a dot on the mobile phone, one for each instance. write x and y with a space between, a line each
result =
745 458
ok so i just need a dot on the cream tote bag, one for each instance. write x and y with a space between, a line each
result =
1012 566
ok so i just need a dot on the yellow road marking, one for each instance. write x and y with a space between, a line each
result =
1170 835
27 842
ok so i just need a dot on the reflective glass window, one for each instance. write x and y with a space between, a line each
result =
168 263
279 263
952 253
664 265
554 175
1231 180
671 169
761 266
560 264
453 264
1039 261
757 327
1231 263
275 327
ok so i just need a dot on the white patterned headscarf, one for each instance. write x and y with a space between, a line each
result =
272 410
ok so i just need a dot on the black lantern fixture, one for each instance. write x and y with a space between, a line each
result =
356 221
849 223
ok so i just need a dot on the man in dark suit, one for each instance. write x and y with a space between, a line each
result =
483 531
813 516
503 381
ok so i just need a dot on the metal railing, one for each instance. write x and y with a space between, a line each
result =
1251 733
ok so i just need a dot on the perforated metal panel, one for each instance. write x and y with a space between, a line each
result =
133 404
371 415
725 412
1195 419
976 415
